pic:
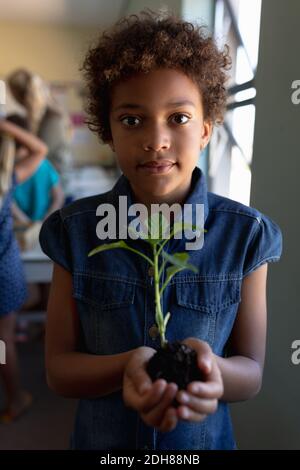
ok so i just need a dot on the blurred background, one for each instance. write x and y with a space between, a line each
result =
251 158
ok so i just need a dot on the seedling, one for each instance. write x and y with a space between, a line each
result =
157 234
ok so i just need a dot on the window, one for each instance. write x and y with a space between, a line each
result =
237 24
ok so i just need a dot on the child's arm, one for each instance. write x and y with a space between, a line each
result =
242 372
57 199
37 149
18 214
70 373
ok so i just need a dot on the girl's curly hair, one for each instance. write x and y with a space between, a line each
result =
147 41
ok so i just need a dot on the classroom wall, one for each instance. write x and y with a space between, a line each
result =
272 419
55 52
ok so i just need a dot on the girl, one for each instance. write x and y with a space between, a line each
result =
45 118
156 88
12 282
41 194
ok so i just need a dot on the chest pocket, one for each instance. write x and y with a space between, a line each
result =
107 313
203 306
104 292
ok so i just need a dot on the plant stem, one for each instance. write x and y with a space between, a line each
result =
164 242
158 312
164 262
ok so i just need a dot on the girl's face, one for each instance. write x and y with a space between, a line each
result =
158 130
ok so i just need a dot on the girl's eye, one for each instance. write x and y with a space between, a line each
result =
131 119
179 115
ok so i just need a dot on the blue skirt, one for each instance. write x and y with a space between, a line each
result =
13 289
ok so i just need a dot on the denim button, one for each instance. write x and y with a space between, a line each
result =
153 332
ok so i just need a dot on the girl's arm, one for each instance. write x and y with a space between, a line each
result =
18 214
37 149
58 198
242 372
71 373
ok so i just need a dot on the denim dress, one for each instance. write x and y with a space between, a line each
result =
13 288
114 294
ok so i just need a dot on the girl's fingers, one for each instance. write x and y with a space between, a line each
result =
205 364
140 379
199 405
206 389
185 413
153 396
169 422
155 415
205 356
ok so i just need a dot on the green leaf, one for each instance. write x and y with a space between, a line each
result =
108 246
180 260
118 244
156 227
170 272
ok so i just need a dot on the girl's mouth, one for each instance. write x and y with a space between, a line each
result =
156 169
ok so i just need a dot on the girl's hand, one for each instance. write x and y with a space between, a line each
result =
10 128
152 400
202 397
4 126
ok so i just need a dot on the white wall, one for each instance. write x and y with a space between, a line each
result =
135 6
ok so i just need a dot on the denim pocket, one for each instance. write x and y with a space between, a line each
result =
208 295
107 311
103 291
199 302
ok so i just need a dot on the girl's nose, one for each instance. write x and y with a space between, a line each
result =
156 141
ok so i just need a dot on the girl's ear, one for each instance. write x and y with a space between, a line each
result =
206 134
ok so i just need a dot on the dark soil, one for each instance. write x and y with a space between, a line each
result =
176 363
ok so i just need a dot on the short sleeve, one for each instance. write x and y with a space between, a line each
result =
54 240
265 245
54 176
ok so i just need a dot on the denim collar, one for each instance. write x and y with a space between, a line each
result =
197 194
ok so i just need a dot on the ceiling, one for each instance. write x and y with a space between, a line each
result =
83 13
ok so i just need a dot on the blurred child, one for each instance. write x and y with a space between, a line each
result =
13 290
40 194
46 119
